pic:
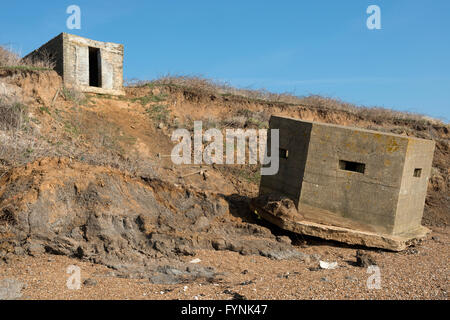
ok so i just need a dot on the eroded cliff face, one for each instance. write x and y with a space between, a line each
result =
135 225
92 201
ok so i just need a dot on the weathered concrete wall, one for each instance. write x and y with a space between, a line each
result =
419 155
350 193
53 50
354 173
76 64
71 54
294 137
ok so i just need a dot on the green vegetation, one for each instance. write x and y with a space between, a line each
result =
159 113
44 109
71 94
72 128
145 100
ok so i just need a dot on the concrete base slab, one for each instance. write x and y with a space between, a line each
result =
345 235
96 90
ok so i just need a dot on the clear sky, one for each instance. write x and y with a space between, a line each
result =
302 47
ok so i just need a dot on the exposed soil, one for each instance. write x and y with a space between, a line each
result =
89 183
134 225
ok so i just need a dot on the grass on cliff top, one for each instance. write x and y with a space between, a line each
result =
207 87
25 68
12 61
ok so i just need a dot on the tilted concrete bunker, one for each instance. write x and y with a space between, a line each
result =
353 178
92 66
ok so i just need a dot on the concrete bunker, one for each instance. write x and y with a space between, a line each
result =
351 181
91 66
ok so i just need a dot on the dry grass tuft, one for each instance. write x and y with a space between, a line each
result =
203 86
13 115
10 59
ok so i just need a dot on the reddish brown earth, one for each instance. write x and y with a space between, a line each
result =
83 185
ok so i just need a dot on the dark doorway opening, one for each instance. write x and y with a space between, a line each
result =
352 166
95 71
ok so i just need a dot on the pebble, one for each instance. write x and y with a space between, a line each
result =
90 282
195 261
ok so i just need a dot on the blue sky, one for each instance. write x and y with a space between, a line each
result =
301 47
